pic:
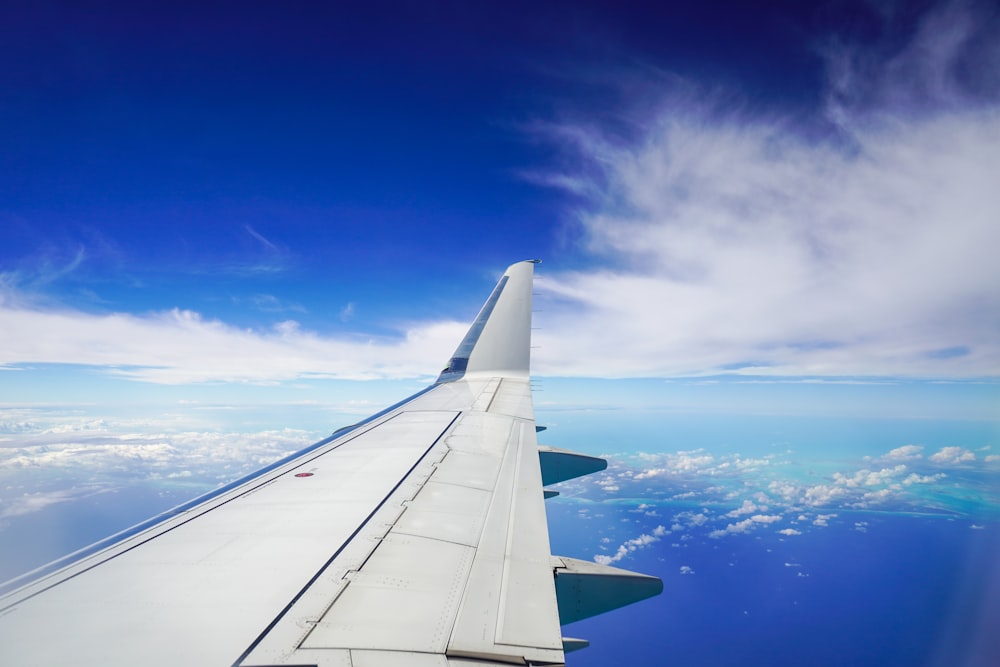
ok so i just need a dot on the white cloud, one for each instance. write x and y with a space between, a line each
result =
607 484
868 253
746 525
923 479
689 519
952 455
87 452
633 544
180 346
904 453
789 531
33 502
686 569
869 478
746 508
820 495
732 529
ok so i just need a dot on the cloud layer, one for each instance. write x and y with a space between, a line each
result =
180 346
735 243
751 250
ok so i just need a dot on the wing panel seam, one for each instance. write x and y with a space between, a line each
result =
332 558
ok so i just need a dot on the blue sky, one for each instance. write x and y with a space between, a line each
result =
251 193
228 228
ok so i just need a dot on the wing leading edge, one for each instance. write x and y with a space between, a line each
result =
415 537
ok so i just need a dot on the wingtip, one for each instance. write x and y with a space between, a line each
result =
524 261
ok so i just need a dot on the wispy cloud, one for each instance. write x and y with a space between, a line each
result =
180 346
727 243
49 266
29 503
266 243
721 243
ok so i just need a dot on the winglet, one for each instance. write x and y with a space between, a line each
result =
499 340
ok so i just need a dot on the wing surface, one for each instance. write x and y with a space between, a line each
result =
416 537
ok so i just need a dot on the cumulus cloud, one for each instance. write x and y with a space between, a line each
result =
789 532
952 455
684 520
746 508
633 544
914 478
686 569
865 253
868 477
904 453
93 454
745 525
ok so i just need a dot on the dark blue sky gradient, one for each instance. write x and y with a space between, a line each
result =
360 136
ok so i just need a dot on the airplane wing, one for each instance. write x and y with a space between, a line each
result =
416 537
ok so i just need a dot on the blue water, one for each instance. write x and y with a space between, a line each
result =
908 591
755 435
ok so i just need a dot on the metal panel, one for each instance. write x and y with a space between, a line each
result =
397 659
528 592
477 471
250 552
480 433
513 398
446 512
404 598
509 606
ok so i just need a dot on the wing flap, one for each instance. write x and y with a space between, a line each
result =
404 598
466 568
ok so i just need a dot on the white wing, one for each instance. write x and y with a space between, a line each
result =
415 537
